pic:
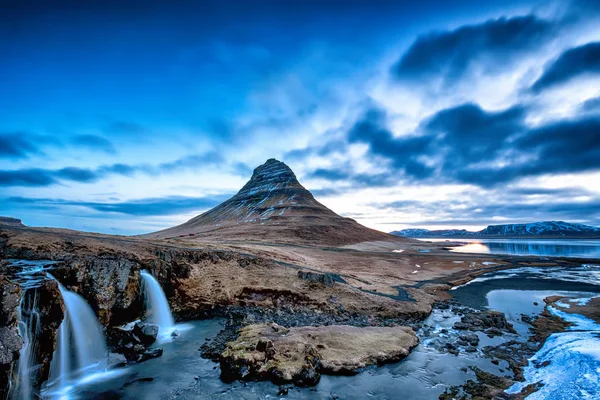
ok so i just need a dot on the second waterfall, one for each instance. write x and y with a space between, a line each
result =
157 306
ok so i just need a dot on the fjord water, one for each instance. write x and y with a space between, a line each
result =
81 351
157 306
533 247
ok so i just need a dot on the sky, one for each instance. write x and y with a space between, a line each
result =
127 117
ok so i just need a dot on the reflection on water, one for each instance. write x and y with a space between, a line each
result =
539 247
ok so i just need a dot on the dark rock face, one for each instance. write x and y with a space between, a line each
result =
133 340
110 284
315 277
44 325
10 341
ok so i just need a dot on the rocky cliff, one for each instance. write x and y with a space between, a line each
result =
10 341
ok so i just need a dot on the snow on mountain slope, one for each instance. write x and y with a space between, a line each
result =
546 229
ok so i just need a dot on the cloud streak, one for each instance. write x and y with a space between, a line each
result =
577 61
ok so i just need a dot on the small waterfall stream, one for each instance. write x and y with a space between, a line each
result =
81 348
157 306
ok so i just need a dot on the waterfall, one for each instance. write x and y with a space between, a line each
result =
29 329
157 307
81 349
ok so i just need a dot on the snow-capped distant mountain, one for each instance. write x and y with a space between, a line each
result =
549 229
428 233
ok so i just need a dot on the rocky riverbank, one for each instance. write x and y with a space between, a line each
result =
515 354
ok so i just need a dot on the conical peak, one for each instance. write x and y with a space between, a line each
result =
271 175
273 168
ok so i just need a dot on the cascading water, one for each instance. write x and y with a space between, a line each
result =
157 307
81 349
29 329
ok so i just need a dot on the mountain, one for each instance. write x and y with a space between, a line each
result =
428 233
547 229
274 207
8 221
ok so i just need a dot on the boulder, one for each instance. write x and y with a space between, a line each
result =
132 340
146 333
138 353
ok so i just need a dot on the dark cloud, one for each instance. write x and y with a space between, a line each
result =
127 128
449 54
47 177
169 205
16 146
591 105
466 144
572 63
192 161
27 177
404 152
95 143
562 147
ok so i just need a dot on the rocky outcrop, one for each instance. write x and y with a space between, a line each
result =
493 323
9 221
110 284
315 277
10 341
300 355
44 308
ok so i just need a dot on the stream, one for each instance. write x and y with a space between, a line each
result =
426 373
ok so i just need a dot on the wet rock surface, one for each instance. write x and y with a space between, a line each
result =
513 353
10 341
110 285
492 323
300 355
133 341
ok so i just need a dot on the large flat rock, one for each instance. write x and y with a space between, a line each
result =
300 355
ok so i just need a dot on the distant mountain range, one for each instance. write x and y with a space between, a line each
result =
547 229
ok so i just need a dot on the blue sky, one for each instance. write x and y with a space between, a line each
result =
129 117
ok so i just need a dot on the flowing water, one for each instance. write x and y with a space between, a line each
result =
426 373
81 350
157 306
533 247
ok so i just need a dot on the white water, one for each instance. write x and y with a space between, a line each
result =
157 306
81 349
